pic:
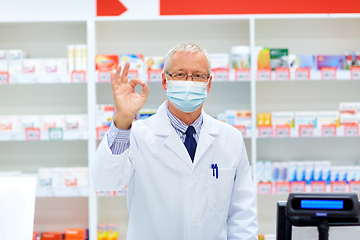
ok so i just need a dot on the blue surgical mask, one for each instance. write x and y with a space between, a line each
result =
187 96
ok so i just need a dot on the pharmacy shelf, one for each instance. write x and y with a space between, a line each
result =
62 192
41 79
44 136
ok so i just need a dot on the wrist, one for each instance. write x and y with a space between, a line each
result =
122 122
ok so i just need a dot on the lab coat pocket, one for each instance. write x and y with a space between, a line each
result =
220 189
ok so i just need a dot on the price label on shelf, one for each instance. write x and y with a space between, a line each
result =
104 77
265 188
221 74
282 188
33 79
242 74
302 74
155 75
282 73
265 131
306 131
133 74
328 73
298 187
318 187
32 134
264 74
101 132
354 187
4 77
78 77
351 130
338 187
242 129
328 131
282 131
355 73
55 133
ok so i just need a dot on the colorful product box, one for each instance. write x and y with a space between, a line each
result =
104 115
106 63
263 57
75 234
76 177
103 232
349 107
52 236
219 61
76 122
305 118
279 58
292 171
154 63
357 53
53 121
349 119
15 61
282 119
350 60
279 172
71 58
30 121
51 178
10 123
264 119
264 171
238 118
113 230
145 113
327 118
322 170
240 57
136 61
305 61
3 61
330 61
56 66
34 66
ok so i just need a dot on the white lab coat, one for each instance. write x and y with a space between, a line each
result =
171 198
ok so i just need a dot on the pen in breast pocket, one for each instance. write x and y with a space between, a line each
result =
215 170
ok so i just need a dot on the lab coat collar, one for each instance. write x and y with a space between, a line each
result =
163 128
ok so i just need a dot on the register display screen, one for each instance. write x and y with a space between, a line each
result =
322 204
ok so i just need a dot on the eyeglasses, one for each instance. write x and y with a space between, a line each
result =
198 77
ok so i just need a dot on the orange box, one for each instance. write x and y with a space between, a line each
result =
52 236
75 234
36 236
106 63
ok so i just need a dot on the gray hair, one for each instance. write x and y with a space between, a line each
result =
185 47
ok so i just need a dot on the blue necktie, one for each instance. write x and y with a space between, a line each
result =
190 142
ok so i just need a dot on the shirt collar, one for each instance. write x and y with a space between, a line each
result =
180 125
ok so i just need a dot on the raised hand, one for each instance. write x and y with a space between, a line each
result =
127 101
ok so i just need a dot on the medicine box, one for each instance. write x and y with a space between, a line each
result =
264 119
3 61
103 232
145 113
136 61
33 66
113 232
76 177
30 121
282 119
240 57
349 107
15 61
350 60
305 118
349 119
238 118
305 61
330 61
263 57
75 234
10 123
52 236
279 58
327 118
51 178
219 61
154 63
53 121
104 115
106 63
76 122
56 66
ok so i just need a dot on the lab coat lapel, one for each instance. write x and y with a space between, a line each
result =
207 135
172 139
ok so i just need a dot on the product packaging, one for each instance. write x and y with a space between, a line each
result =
260 171
279 172
52 236
53 121
76 177
51 178
30 121
71 58
357 173
309 171
263 57
305 61
240 57
350 60
221 117
104 115
305 118
327 118
279 58
349 107
103 232
268 171
10 123
154 63
33 66
76 122
351 174
113 232
83 57
219 61
145 113
106 63
238 118
349 119
300 171
75 234
292 171
282 119
136 61
56 66
357 53
3 61
264 119
15 61
330 61
78 59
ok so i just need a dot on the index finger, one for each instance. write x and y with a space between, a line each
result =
125 72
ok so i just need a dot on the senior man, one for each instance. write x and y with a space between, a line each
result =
188 174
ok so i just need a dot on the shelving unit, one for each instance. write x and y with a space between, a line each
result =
301 34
